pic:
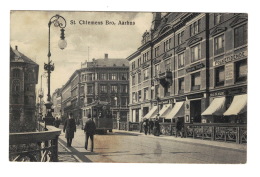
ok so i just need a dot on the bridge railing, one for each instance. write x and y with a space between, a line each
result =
41 146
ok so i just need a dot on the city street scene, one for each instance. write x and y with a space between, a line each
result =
128 87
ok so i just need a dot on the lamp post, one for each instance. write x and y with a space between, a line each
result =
57 21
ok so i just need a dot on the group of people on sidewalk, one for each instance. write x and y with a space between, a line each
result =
153 127
70 128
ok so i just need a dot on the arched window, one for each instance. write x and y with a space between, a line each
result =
16 73
16 86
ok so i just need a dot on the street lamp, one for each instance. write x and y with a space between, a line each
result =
57 21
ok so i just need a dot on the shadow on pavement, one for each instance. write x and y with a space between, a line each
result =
80 155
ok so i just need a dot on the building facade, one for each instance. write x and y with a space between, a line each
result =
23 80
186 61
56 100
100 79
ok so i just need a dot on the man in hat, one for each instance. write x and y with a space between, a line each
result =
89 129
70 128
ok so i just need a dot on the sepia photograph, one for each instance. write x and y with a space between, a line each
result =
128 87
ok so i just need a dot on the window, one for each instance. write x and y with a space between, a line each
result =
195 28
139 95
145 93
218 18
241 71
145 57
16 86
124 101
195 53
133 80
168 65
89 89
103 76
124 88
139 62
156 91
167 45
139 77
89 100
113 76
180 37
219 44
113 88
103 88
91 76
240 36
156 70
124 76
220 76
195 81
181 85
181 60
134 97
156 51
146 74
133 65
103 98
16 73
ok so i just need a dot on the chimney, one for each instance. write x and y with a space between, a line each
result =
16 47
106 56
156 20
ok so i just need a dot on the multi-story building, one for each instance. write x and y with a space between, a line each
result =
100 79
185 62
56 100
23 79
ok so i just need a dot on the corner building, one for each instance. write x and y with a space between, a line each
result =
185 62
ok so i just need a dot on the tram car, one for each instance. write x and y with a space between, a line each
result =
101 114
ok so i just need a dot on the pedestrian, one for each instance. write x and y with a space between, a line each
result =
178 126
70 128
145 125
56 122
156 127
151 124
89 129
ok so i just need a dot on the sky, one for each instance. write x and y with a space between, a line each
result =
29 31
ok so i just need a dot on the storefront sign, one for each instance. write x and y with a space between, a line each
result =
229 71
198 95
182 98
237 91
196 67
230 58
220 93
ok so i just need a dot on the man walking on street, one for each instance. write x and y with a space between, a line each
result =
90 129
70 128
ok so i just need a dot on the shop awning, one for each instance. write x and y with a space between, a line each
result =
217 107
238 105
165 110
177 111
151 113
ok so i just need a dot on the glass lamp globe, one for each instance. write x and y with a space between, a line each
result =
62 44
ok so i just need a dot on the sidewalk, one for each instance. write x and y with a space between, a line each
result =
220 144
64 155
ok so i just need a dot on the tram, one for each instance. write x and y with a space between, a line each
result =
101 114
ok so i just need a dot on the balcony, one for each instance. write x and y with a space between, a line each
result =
165 78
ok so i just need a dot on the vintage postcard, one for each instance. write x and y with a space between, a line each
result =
128 87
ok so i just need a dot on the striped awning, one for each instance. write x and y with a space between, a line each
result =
165 110
238 105
177 111
151 113
216 107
